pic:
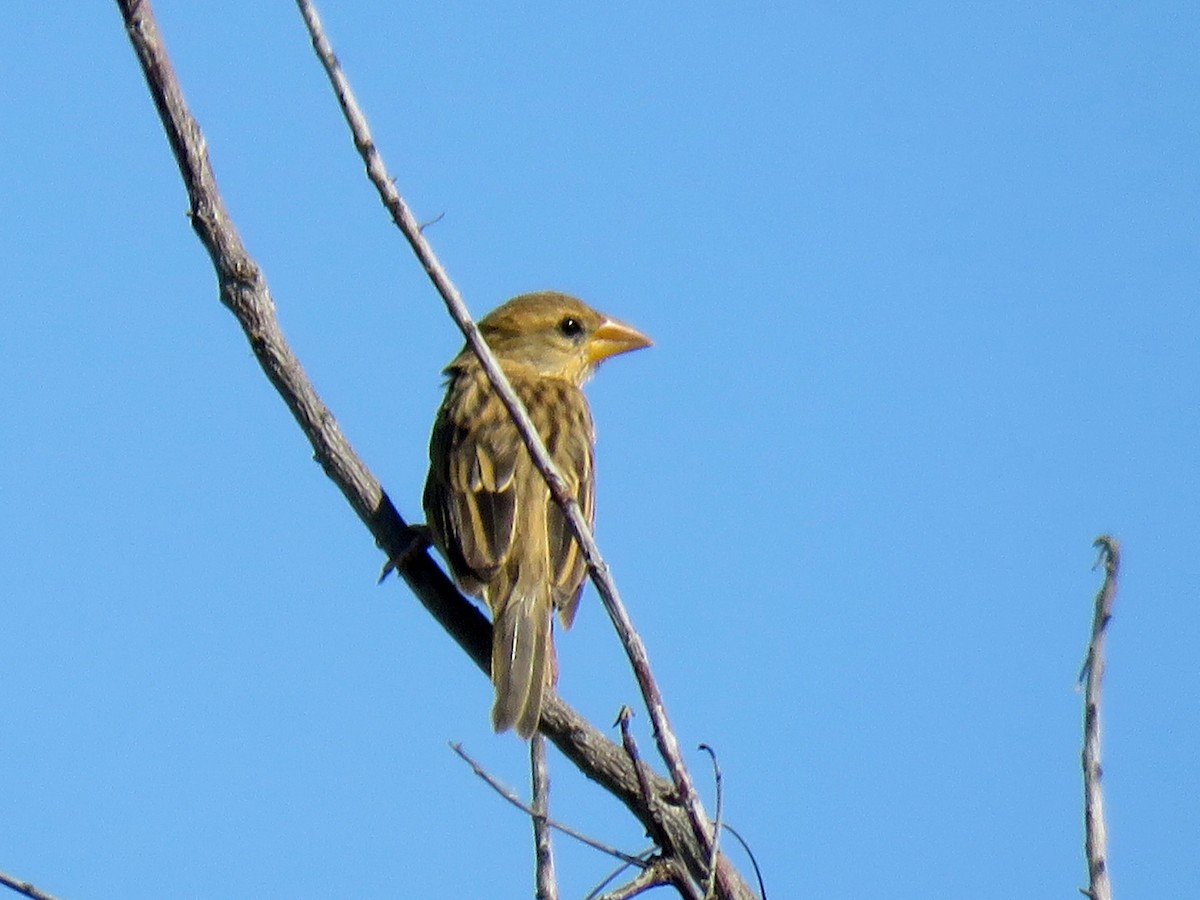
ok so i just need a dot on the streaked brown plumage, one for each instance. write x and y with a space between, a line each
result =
489 510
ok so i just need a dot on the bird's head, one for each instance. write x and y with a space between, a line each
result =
557 335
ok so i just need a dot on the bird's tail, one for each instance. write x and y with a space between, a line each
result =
521 650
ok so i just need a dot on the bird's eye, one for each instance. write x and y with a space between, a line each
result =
571 327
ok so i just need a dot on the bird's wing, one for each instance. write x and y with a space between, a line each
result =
570 438
471 496
474 486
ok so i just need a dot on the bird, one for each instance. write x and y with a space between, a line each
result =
489 512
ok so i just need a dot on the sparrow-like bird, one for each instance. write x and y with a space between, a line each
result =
490 513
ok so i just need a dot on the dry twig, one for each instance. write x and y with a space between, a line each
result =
758 876
624 715
511 796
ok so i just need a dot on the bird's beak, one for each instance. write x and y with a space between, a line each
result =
613 337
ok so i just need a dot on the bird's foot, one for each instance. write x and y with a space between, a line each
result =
419 540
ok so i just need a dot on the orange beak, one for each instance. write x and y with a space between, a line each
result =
614 337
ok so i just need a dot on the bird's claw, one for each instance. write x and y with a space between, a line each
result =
419 540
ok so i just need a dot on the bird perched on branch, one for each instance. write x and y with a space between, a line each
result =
489 510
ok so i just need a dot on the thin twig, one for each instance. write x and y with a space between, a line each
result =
547 883
511 796
24 887
762 888
668 744
624 715
1096 839
433 221
711 883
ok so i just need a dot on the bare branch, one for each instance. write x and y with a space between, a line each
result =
24 887
243 289
1096 840
547 883
668 744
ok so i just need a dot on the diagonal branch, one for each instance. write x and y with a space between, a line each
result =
668 744
24 888
243 289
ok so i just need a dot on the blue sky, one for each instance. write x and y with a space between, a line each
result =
922 281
